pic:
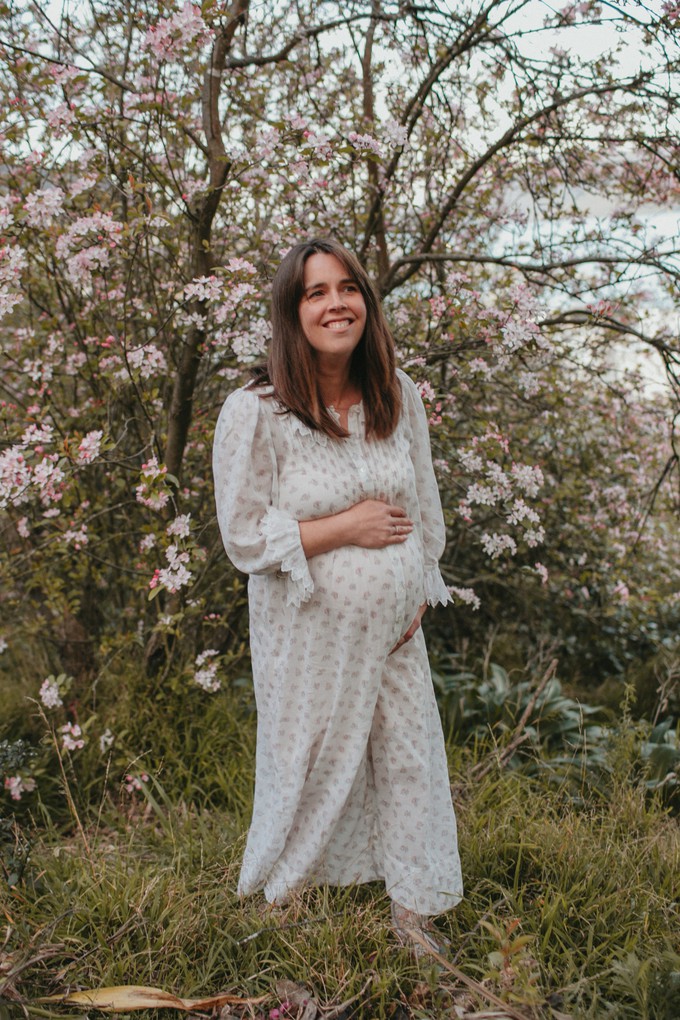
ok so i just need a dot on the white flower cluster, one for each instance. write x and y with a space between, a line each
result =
148 492
206 671
148 360
176 575
495 545
466 595
180 527
50 694
43 206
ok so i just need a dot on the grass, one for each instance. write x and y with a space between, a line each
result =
570 910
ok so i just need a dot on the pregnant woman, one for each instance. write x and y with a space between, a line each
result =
326 497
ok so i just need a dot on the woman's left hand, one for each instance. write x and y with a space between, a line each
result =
412 629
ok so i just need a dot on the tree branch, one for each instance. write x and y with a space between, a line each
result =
506 139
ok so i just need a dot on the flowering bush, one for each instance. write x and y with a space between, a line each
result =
139 228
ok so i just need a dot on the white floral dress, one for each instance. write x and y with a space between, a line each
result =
351 779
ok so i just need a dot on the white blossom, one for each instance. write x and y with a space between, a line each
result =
466 595
50 694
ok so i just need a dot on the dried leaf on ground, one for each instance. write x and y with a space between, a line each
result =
123 997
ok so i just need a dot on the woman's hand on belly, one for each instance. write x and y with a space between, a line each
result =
371 524
412 629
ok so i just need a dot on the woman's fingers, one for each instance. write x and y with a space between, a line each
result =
412 629
375 523
400 525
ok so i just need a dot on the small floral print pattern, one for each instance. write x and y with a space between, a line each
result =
351 773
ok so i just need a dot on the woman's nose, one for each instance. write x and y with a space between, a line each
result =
337 299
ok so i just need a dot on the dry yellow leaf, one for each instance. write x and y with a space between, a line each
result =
124 997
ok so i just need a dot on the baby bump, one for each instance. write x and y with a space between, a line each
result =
382 587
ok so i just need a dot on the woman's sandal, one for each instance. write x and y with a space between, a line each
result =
417 933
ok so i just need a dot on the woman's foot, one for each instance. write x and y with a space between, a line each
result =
416 932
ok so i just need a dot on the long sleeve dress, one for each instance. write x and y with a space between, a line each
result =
351 780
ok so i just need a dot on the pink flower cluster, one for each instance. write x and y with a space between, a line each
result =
133 784
18 785
176 575
72 737
173 36
88 448
43 206
12 264
151 491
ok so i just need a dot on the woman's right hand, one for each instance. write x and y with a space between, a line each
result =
374 524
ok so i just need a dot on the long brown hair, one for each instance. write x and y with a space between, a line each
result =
290 366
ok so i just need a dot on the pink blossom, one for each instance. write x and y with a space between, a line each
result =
42 207
72 739
152 470
76 537
251 344
133 784
365 142
319 142
542 572
12 264
15 477
175 34
621 592
42 433
60 118
147 360
204 288
154 500
240 266
426 391
88 448
180 527
81 184
18 785
528 478
176 575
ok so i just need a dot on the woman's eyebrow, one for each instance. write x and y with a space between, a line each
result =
313 286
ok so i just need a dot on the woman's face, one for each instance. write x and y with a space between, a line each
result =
332 310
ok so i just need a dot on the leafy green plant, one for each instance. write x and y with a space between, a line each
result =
487 709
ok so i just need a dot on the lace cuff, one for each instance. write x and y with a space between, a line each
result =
436 592
282 535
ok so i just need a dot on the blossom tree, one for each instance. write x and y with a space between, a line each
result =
498 173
